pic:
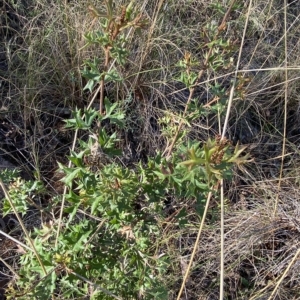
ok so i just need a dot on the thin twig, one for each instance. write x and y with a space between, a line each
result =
222 137
10 268
186 274
284 274
285 110
15 240
221 297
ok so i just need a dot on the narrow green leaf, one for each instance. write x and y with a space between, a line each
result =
70 177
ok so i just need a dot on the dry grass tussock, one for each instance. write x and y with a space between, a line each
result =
42 53
258 248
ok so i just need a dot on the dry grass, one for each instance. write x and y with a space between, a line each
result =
42 54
